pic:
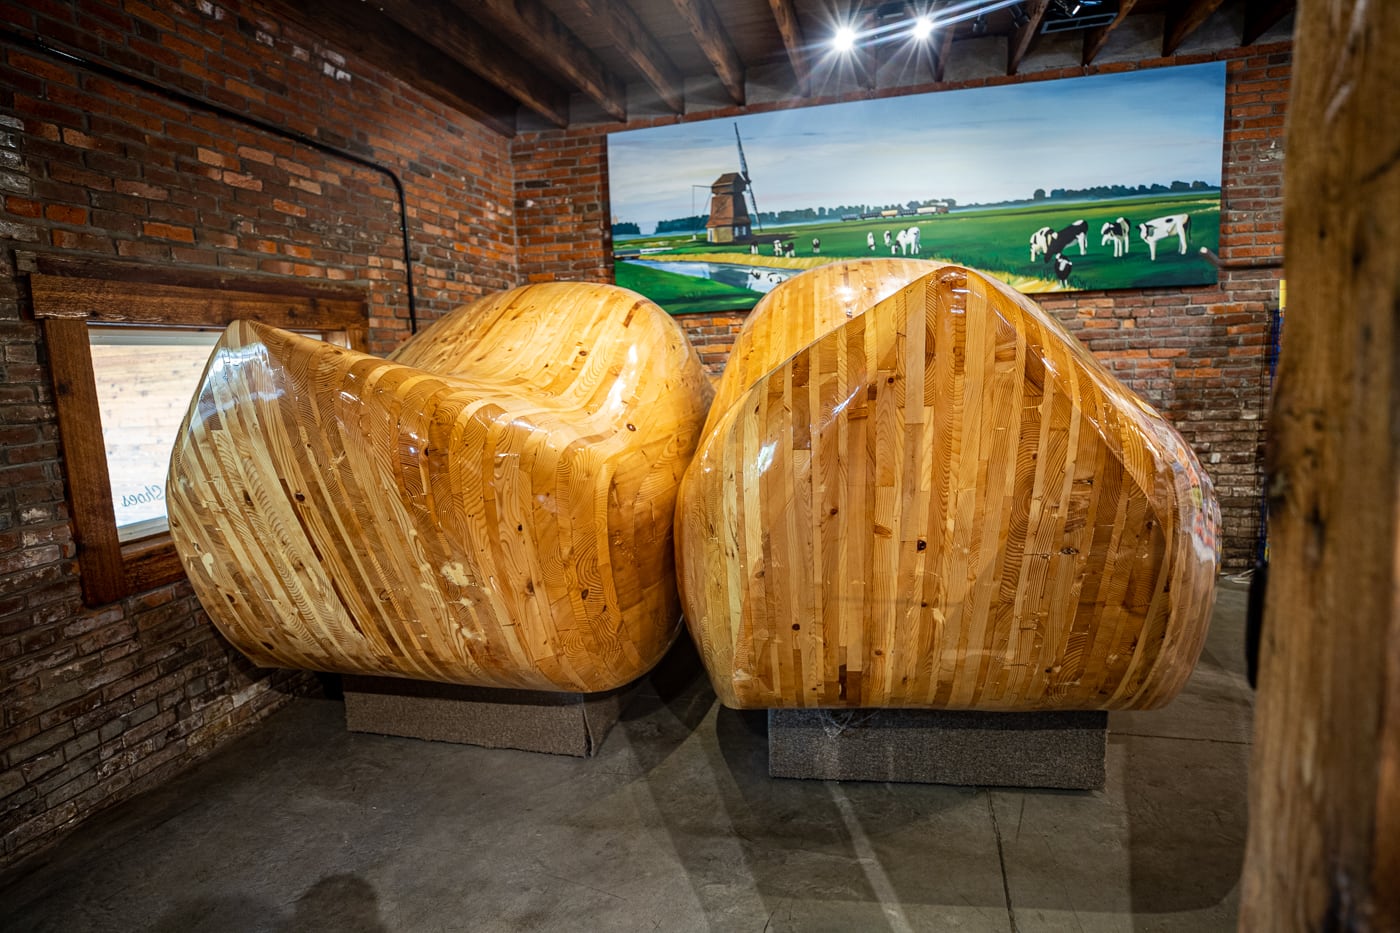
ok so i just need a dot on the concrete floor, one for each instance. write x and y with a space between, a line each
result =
304 827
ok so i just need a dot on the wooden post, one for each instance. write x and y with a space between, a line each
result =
1324 835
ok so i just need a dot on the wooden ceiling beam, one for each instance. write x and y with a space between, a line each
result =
710 35
1261 15
1020 43
465 43
1185 21
359 30
944 49
530 25
794 42
636 43
1095 39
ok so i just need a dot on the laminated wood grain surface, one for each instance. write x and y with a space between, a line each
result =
916 489
492 505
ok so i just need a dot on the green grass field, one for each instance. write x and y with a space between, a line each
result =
996 240
683 294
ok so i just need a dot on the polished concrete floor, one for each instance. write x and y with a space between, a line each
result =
301 826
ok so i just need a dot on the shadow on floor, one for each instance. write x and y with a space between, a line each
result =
335 904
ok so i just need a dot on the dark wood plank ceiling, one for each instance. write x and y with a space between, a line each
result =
517 63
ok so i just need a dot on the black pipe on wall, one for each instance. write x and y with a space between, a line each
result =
38 45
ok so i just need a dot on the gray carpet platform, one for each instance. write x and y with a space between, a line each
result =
1063 750
531 720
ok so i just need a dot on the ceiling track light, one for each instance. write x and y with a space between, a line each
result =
918 19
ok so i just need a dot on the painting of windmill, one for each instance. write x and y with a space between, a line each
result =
1125 195
730 221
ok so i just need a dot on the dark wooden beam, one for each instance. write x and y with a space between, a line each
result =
1021 40
1096 38
1261 15
1323 851
793 41
530 26
944 49
1185 21
466 43
710 35
357 29
636 43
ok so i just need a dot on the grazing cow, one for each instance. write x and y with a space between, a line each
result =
753 247
777 246
1040 242
816 246
1116 232
1159 228
1077 232
908 241
889 241
870 240
1062 270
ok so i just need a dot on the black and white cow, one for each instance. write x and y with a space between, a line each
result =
1159 228
1050 245
816 246
908 241
1062 270
1117 233
1040 242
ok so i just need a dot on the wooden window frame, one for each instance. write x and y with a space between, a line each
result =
68 295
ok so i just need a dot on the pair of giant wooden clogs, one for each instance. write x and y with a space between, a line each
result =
913 489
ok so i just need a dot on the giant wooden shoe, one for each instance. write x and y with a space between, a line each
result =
939 499
492 505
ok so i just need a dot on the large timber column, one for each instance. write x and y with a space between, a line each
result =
1324 835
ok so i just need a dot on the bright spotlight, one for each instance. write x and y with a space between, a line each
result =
844 40
923 28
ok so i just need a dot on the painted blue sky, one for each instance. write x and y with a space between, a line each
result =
974 145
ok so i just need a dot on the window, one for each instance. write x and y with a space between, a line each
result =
127 347
145 378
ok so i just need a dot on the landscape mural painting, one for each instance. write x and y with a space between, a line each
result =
1102 182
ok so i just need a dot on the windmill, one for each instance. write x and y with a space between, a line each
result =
729 214
744 173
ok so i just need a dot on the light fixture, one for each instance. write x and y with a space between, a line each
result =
1064 15
923 27
844 40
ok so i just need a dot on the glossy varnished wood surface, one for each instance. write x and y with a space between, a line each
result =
938 499
492 505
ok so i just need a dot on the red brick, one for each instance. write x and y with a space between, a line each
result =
287 207
168 231
65 214
22 207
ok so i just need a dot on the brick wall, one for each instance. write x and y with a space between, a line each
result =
97 703
1197 354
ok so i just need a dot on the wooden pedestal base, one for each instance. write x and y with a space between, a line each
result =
531 720
1053 749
